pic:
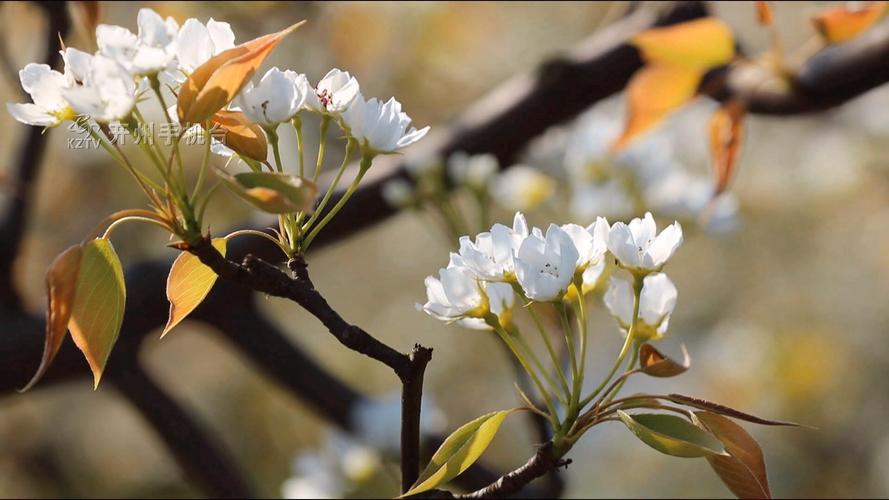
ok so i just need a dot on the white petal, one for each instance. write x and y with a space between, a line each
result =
665 245
622 245
31 114
658 298
619 300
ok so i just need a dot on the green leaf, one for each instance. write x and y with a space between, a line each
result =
188 284
274 192
460 450
744 470
672 435
99 301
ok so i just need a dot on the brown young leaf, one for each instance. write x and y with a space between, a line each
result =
744 470
98 307
216 82
764 13
703 404
838 24
653 363
701 44
726 136
188 284
61 282
241 135
653 93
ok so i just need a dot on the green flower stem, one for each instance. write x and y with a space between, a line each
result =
148 144
205 162
272 133
350 148
535 361
549 348
582 327
132 218
494 323
122 160
297 123
569 342
253 232
637 291
156 87
366 161
322 140
634 356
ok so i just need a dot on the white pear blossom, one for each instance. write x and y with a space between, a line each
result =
45 86
334 93
656 303
474 171
275 99
381 127
333 471
639 248
591 242
107 92
522 187
77 65
398 193
545 267
491 256
196 43
145 54
501 300
455 294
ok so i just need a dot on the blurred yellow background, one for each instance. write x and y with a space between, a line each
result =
784 317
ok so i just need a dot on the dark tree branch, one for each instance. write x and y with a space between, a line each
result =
542 462
194 450
263 277
411 404
831 77
27 168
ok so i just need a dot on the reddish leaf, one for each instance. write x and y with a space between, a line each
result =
61 282
703 404
652 94
764 13
216 82
838 24
654 363
241 135
726 137
744 470
701 44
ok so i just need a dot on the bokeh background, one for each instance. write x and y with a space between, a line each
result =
784 315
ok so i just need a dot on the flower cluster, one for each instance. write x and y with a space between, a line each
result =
483 276
217 100
105 86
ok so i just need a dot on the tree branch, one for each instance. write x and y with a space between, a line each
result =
831 77
542 462
27 168
195 452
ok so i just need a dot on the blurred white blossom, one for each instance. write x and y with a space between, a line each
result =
522 187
